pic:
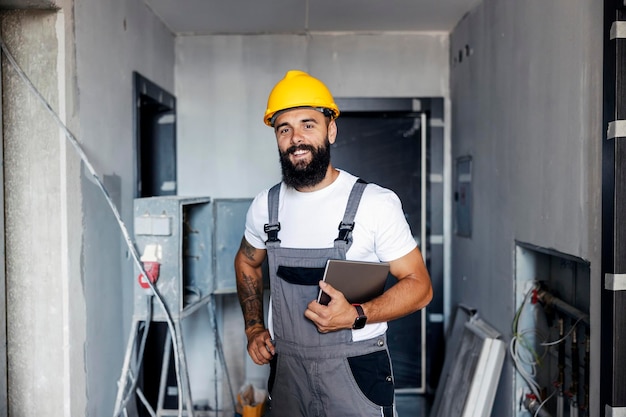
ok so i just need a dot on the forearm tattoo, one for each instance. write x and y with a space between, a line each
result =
250 291
251 299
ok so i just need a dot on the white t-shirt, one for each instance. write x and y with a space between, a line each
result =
310 220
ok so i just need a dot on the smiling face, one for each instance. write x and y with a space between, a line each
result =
304 137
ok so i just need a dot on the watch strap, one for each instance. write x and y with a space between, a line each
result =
359 309
361 319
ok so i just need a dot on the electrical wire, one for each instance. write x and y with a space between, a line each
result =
131 246
564 338
543 403
526 375
518 340
519 344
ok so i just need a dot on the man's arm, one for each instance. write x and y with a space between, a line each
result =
412 292
248 263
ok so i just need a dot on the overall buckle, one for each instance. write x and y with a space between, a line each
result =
345 229
272 232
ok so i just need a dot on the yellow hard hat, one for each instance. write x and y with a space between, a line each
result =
299 89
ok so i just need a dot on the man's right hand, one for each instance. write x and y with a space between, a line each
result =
260 345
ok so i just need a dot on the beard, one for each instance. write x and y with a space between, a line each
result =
305 174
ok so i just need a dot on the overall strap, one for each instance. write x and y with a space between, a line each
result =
347 224
273 226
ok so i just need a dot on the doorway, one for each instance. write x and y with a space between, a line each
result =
155 139
398 144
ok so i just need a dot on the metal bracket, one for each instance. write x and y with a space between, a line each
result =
618 30
614 412
617 129
615 282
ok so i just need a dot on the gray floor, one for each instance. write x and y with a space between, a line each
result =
412 405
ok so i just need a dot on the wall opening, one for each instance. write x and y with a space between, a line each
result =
155 127
550 346
398 144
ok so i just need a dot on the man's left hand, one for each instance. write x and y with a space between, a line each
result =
339 314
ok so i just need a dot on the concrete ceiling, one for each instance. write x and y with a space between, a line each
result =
204 17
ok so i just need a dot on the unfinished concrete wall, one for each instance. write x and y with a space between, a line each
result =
526 85
44 301
113 39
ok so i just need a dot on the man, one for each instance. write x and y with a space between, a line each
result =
326 360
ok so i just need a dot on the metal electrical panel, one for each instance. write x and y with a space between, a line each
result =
230 219
176 232
194 241
187 247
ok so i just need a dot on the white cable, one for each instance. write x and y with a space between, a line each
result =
518 341
518 361
544 402
74 142
526 375
540 336
556 342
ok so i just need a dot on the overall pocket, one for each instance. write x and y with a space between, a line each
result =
372 373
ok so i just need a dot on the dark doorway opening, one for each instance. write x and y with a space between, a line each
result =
155 127
393 143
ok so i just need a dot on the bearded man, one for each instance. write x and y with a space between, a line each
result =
326 360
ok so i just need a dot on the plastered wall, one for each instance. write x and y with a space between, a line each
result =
526 90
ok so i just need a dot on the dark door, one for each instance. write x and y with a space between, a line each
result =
399 144
384 148
155 120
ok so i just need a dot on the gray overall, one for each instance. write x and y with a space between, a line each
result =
315 374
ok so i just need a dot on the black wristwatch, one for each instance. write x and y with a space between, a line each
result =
360 321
